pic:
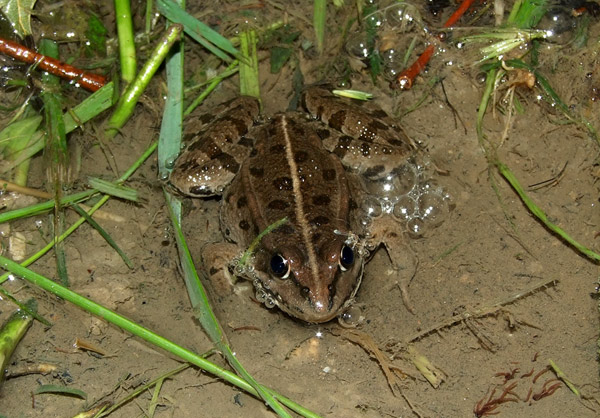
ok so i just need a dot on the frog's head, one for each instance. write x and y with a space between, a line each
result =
313 284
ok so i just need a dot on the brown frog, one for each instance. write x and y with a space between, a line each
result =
295 167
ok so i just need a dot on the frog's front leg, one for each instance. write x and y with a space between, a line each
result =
217 260
404 260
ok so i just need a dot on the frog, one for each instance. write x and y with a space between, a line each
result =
307 168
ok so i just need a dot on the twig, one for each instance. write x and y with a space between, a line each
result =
88 81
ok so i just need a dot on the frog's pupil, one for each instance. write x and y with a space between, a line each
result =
279 265
347 256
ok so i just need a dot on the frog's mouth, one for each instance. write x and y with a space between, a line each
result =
307 312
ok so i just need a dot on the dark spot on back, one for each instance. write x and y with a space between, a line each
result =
316 237
321 200
246 142
228 162
257 172
190 165
277 149
285 229
352 204
278 204
300 156
190 137
373 171
227 231
207 146
283 183
323 133
242 202
206 118
343 145
253 152
379 113
365 149
244 225
241 126
320 220
336 121
212 271
377 125
329 174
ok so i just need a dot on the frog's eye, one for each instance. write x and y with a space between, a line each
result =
346 258
280 266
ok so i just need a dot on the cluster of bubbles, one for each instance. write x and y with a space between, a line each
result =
399 29
410 195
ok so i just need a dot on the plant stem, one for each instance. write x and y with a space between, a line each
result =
133 92
126 40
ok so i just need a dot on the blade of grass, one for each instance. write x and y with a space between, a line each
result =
527 13
201 33
249 84
149 151
145 387
539 213
60 390
555 99
214 82
319 18
113 189
133 92
104 234
141 332
56 152
11 333
126 43
206 316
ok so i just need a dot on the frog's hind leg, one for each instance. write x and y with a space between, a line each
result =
217 145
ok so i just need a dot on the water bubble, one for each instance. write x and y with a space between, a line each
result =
163 175
432 208
402 17
351 317
357 46
405 208
415 227
170 162
375 19
371 206
270 302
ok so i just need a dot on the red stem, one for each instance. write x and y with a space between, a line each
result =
88 81
405 79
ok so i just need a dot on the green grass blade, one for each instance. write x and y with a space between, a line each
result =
249 84
23 306
60 390
201 33
113 189
213 83
56 152
14 140
104 234
91 107
149 151
141 332
126 43
206 316
131 96
539 213
11 333
319 18
527 13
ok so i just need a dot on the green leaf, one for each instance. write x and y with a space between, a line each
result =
113 189
279 56
18 12
60 390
